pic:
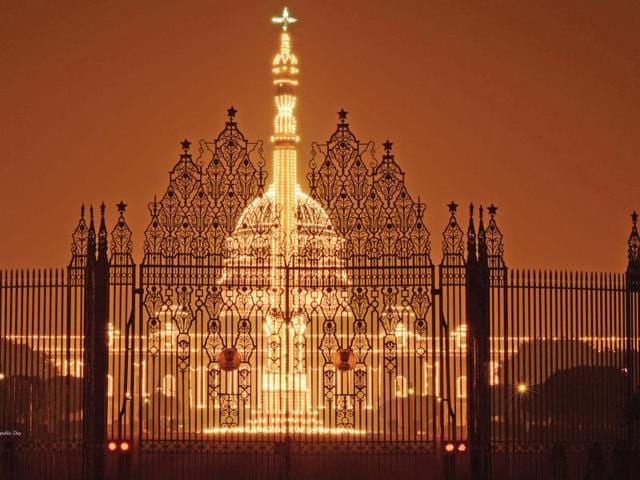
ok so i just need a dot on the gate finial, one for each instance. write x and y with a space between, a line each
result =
494 239
453 238
79 238
102 235
91 237
482 237
471 238
634 243
121 241
342 116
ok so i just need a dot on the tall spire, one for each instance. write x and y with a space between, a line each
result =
284 138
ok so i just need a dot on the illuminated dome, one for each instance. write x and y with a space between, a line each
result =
258 234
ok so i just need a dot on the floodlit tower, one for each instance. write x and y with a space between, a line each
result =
284 138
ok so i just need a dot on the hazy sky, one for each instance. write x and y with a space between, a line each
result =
532 105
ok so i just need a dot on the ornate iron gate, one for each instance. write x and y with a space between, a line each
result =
346 354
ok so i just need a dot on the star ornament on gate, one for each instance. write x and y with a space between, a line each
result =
285 19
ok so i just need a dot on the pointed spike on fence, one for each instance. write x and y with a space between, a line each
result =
472 253
91 239
102 236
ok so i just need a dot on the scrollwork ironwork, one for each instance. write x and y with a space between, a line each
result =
369 207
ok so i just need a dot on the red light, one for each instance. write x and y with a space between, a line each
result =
449 447
124 446
112 446
462 448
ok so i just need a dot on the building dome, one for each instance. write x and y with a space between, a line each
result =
260 216
257 238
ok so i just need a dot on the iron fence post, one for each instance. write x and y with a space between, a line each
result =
632 289
101 346
96 308
478 354
88 467
483 357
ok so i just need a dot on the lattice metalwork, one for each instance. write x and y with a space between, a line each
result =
336 337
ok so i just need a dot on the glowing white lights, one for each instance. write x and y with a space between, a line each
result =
522 388
285 69
285 19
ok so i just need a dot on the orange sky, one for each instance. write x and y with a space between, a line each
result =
532 105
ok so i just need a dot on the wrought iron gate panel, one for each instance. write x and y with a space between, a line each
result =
343 345
451 367
121 331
